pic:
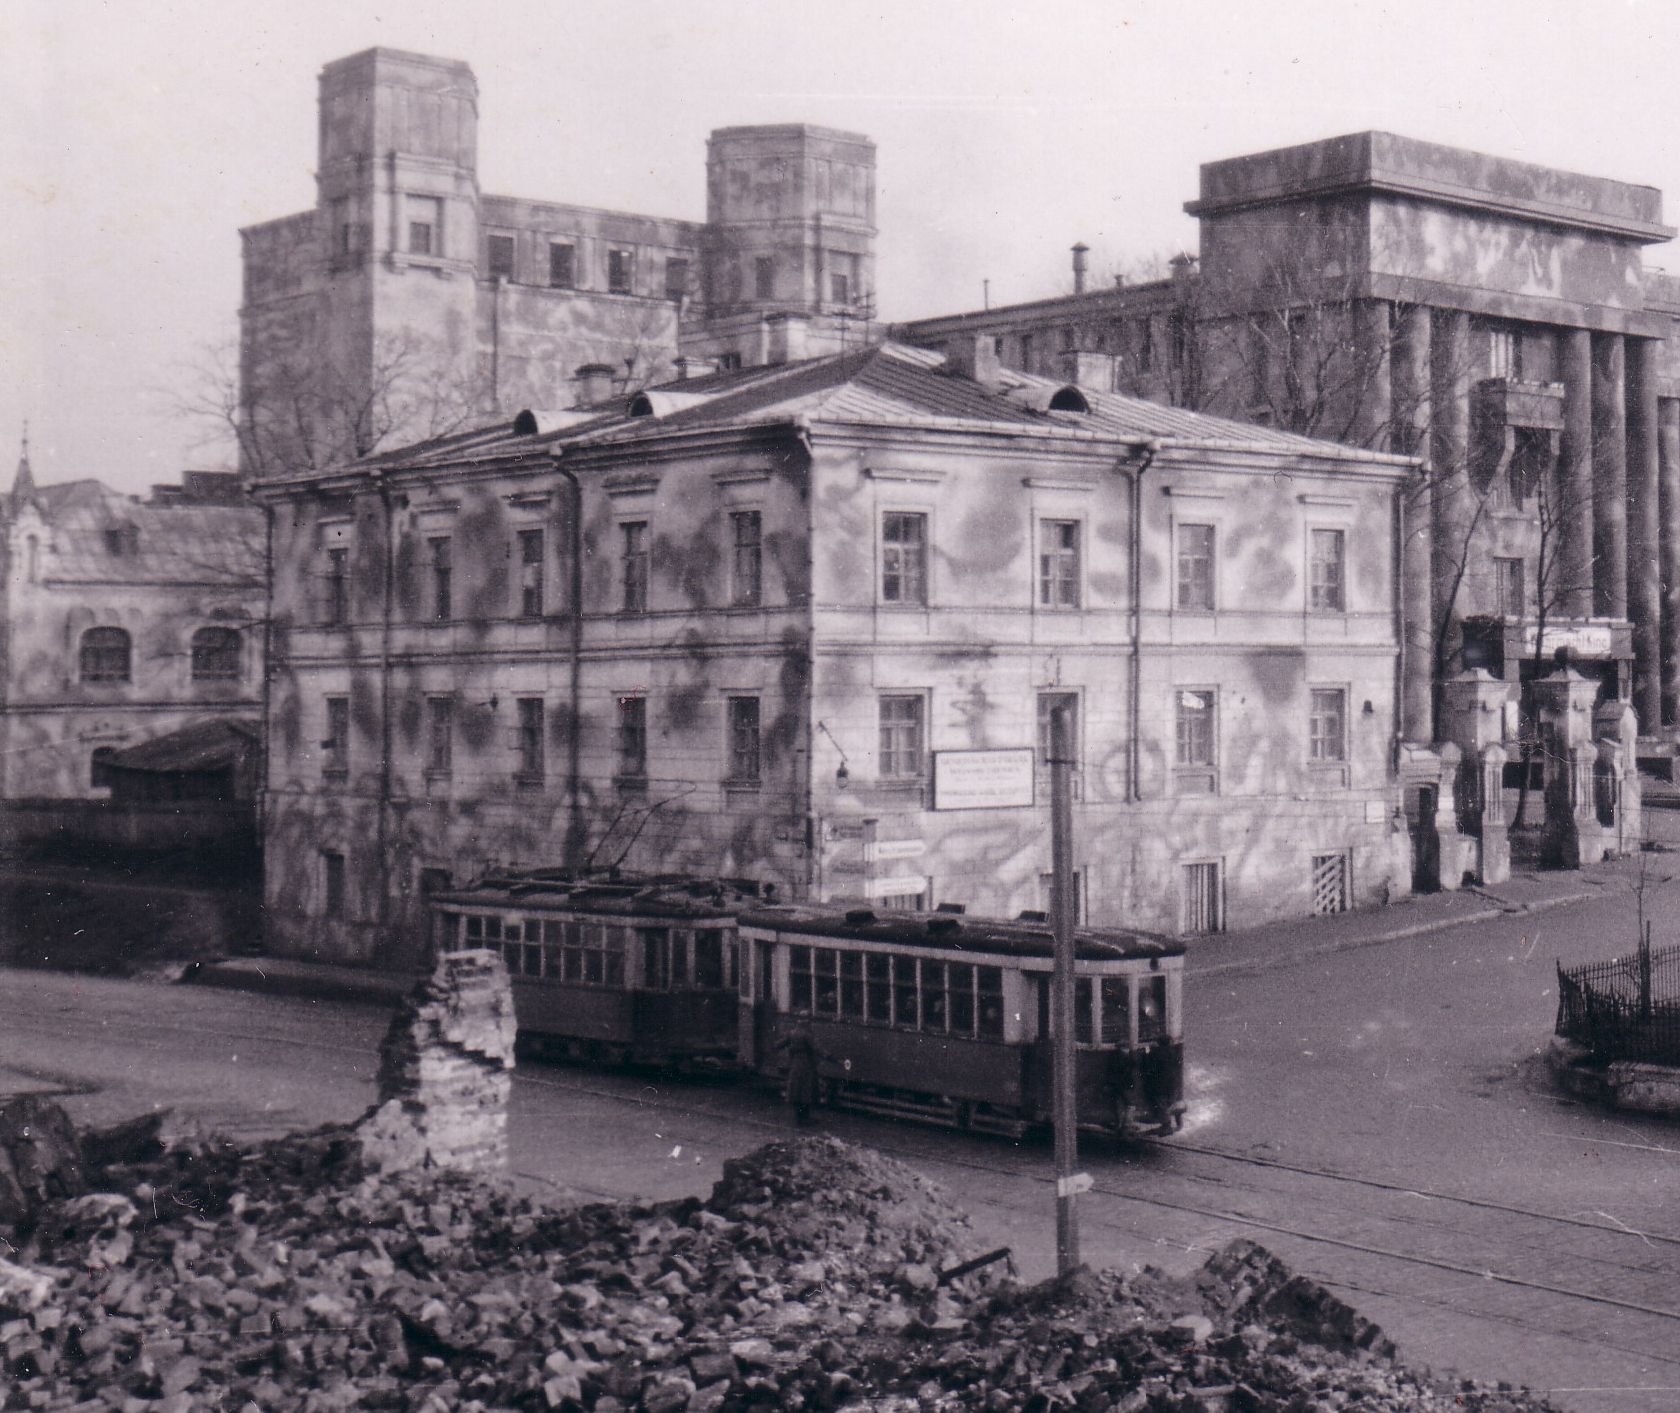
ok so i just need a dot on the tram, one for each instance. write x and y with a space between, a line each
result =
946 1018
637 970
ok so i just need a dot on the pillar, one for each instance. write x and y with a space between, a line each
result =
1668 554
1409 413
1644 585
1495 865
1372 336
1609 440
1572 516
1450 869
1589 833
1454 499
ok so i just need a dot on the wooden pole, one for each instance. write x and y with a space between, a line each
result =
1062 990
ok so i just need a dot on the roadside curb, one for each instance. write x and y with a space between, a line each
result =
355 986
1397 934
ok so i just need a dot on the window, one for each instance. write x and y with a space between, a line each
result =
425 225
676 278
1146 346
443 607
335 604
743 741
1195 568
1508 577
901 738
1327 592
530 573
1204 899
1327 725
562 265
620 271
332 878
499 256
1502 354
335 745
99 767
746 528
1058 564
1194 754
440 735
1047 704
632 738
105 655
531 757
122 540
839 288
1026 352
635 566
764 277
904 557
908 993
215 655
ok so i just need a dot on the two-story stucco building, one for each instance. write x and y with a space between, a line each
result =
122 619
806 623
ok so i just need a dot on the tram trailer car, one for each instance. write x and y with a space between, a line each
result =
946 1018
620 970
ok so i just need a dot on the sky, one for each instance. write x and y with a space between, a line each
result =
136 137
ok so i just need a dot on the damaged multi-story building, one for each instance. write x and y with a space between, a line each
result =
807 623
123 619
408 303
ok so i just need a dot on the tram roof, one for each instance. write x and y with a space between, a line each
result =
954 932
665 896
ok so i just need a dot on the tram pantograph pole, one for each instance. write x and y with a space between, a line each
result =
1062 917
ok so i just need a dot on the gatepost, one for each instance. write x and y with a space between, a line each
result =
1495 864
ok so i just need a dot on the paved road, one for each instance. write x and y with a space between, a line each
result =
1377 1117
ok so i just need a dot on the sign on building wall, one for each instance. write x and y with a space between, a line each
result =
982 780
1585 639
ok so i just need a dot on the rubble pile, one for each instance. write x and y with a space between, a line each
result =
816 1276
445 1071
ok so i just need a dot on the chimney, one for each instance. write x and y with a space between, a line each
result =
1080 251
785 338
595 384
974 356
1182 265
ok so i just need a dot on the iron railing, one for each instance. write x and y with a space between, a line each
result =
1625 1009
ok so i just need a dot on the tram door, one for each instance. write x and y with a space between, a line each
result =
756 1012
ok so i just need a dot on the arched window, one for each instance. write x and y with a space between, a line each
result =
105 655
215 655
99 773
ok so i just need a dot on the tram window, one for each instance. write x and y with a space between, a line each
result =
851 985
1152 1008
614 955
961 977
1116 1007
745 975
656 959
933 995
475 928
878 988
828 989
991 1003
493 929
708 959
679 959
799 980
904 991
1082 1010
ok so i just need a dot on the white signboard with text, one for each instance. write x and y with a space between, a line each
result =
983 780
1587 639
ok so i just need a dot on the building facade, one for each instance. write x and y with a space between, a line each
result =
123 619
807 624
1492 316
408 303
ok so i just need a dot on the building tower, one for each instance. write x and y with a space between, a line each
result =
789 248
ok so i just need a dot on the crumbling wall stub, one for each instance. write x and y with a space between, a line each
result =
445 1071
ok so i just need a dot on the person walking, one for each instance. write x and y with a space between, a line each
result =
801 1087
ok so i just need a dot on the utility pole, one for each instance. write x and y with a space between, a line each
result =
1068 1183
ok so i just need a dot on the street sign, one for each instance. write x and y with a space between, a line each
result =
1073 1184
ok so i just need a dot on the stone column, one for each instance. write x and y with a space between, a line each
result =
1409 404
1450 876
1616 722
1495 864
1372 337
1455 500
1574 593
1644 586
1589 833
1609 435
1668 553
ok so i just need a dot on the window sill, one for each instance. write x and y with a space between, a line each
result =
1328 774
1188 780
335 774
530 782
898 606
743 787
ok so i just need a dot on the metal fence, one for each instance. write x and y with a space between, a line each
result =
1626 1009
